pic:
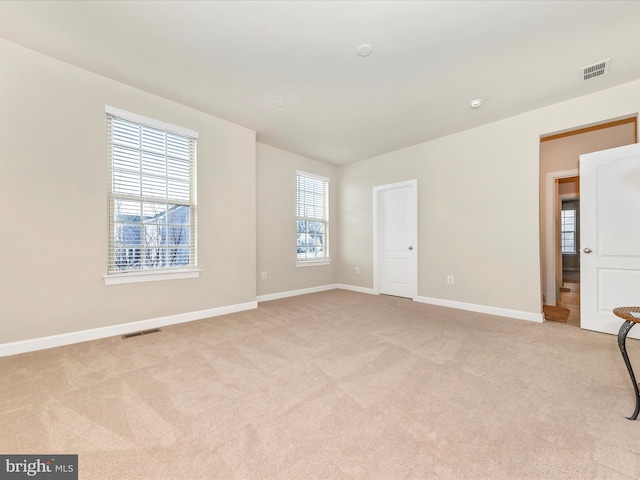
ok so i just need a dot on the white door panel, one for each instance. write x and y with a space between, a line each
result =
610 236
394 204
396 270
616 287
396 239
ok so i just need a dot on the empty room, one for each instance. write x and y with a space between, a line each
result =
319 240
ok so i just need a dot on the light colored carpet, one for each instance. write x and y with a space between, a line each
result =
333 385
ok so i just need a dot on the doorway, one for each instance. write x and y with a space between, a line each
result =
570 236
559 182
561 299
569 291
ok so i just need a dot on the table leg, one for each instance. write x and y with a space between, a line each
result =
622 340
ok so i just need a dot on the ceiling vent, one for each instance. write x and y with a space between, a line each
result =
595 70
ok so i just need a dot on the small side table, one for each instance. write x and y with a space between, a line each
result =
629 321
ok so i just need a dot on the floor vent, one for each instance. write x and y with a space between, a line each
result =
142 332
595 70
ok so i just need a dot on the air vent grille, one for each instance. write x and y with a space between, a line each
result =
142 332
595 70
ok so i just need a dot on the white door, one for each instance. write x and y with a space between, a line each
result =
395 239
609 236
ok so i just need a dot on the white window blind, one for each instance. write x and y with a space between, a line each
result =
568 231
312 217
152 204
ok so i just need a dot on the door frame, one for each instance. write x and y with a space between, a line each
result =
377 231
552 203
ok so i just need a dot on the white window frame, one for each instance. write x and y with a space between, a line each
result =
315 261
149 274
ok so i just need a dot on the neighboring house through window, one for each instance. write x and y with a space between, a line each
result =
152 202
312 193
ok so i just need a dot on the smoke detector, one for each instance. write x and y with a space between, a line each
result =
595 70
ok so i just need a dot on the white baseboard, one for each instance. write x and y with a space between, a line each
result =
502 312
354 288
294 293
52 341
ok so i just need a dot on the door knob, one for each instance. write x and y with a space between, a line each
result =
410 247
587 250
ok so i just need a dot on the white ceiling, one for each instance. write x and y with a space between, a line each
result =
236 60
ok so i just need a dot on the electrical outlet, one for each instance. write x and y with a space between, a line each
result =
264 275
357 269
450 279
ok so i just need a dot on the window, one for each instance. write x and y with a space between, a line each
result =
152 205
312 218
568 231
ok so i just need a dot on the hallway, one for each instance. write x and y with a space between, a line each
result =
567 309
570 298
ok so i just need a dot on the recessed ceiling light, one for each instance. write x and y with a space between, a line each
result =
364 50
477 103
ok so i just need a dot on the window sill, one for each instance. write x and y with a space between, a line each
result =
136 277
312 263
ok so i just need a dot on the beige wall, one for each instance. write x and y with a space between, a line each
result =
53 190
468 224
569 187
478 203
276 206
